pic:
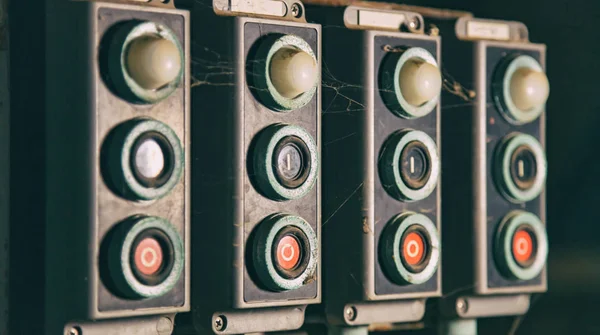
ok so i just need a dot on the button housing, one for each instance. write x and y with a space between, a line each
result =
497 205
386 122
112 207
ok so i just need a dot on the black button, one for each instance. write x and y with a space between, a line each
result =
415 165
292 159
523 167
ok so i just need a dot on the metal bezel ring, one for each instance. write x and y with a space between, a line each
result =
262 252
266 91
395 100
120 252
502 163
138 190
265 179
503 245
390 169
120 46
502 97
391 254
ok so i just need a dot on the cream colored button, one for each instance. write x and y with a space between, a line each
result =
293 72
529 88
153 62
420 82
149 159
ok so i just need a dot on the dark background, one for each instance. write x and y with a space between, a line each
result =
570 30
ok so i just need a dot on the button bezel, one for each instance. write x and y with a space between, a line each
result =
391 171
391 252
503 243
264 162
259 70
502 168
117 54
501 89
121 268
263 257
394 99
118 160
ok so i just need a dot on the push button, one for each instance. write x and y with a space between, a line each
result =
409 249
410 82
288 252
529 88
285 162
413 249
409 165
148 257
142 159
520 246
144 257
145 61
420 82
283 253
523 247
519 167
293 72
520 88
284 72
153 62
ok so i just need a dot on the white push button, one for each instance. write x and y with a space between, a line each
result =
153 62
420 82
149 159
293 72
529 88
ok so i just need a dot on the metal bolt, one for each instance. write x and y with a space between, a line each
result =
296 10
462 305
220 323
414 23
164 326
350 313
74 331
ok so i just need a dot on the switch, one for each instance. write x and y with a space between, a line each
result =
413 249
410 249
420 81
284 252
529 88
153 62
145 257
293 72
523 247
149 159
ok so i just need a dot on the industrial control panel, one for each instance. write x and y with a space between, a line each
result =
254 166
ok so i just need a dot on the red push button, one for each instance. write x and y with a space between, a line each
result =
522 246
288 252
148 256
413 249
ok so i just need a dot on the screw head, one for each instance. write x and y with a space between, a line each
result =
220 323
296 10
462 305
350 313
414 23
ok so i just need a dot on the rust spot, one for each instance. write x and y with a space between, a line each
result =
310 279
492 121
365 226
